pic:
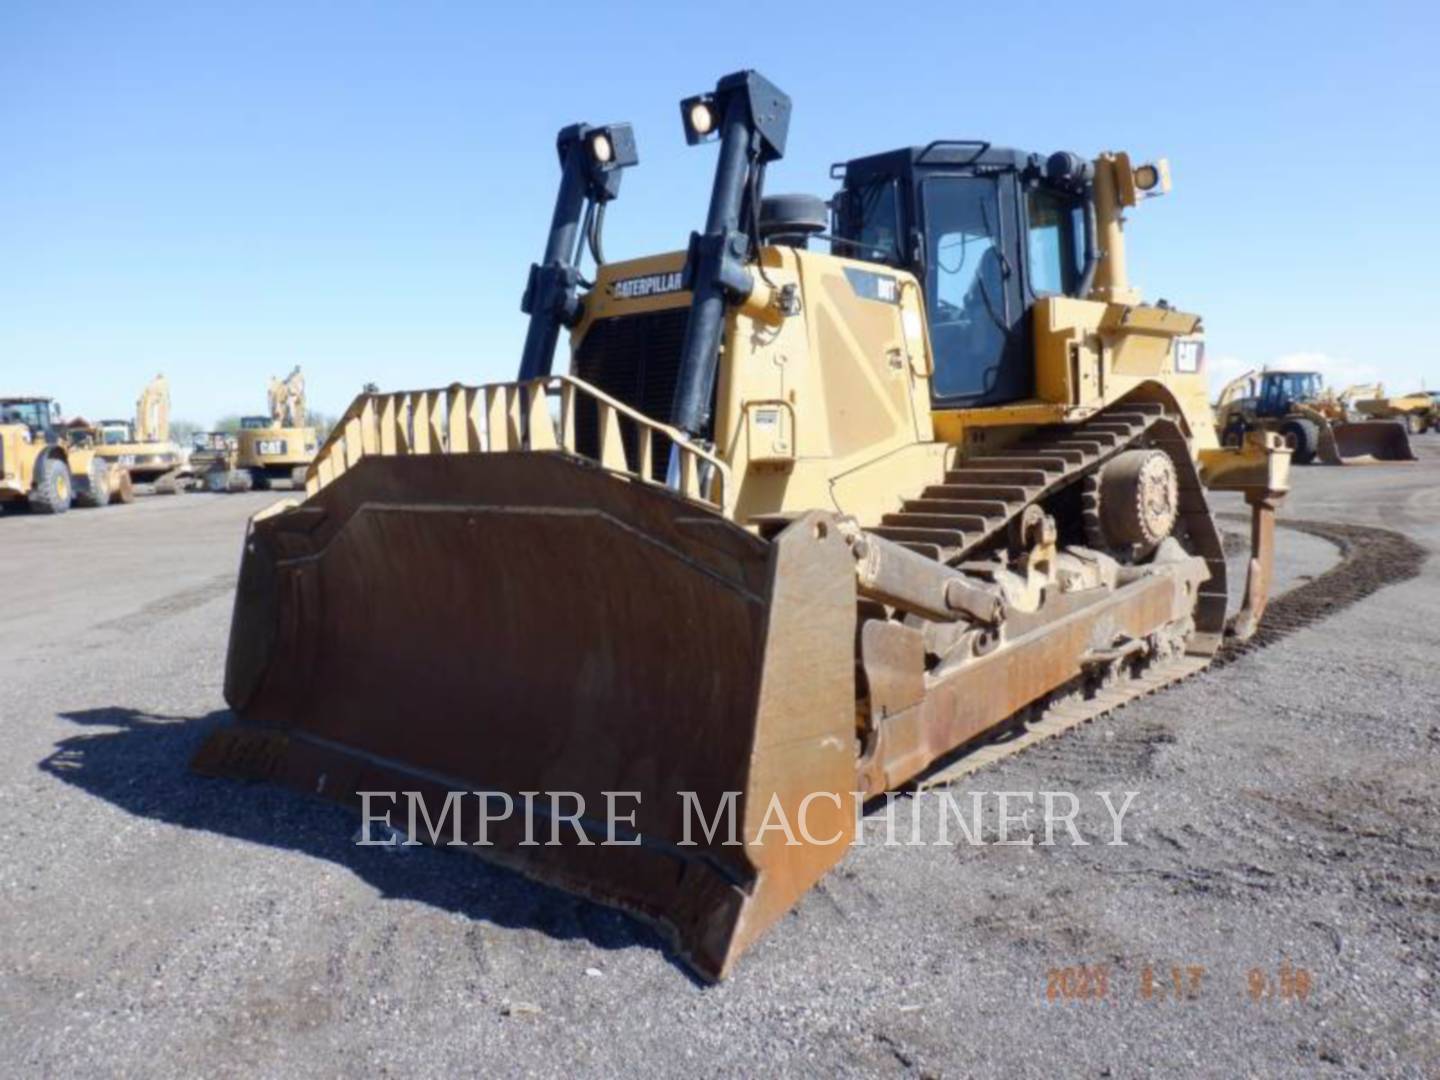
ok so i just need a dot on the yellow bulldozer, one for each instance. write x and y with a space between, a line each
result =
48 469
795 525
1316 423
143 448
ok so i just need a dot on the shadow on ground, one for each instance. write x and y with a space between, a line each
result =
142 767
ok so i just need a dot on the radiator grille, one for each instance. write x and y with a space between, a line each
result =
635 359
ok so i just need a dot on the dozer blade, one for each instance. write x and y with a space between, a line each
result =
1366 441
528 623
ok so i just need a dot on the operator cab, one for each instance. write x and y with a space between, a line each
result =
987 231
40 415
1279 390
115 432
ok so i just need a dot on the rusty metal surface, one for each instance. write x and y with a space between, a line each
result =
525 622
1057 719
1261 567
517 621
986 691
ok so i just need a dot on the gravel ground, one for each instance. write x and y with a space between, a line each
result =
1285 831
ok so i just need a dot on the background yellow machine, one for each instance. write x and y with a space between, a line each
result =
47 470
1419 412
265 449
213 459
1316 423
279 446
795 525
144 448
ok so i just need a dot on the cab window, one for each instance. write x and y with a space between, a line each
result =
1056 237
965 284
874 224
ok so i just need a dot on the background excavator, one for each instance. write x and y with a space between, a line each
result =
1315 422
795 525
265 449
143 449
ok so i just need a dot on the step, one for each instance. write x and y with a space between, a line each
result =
1104 440
930 551
1071 455
1033 478
901 534
1044 463
1123 430
1138 419
982 492
965 523
989 508
1148 408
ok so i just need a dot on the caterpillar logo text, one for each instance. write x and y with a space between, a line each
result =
647 285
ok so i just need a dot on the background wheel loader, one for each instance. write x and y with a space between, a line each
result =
144 448
794 526
1419 412
1316 424
43 469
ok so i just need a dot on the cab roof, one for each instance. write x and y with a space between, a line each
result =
966 154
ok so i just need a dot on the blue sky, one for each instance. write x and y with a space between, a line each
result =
220 191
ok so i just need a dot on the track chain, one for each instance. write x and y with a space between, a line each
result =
1371 558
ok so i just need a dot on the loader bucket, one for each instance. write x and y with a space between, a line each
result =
1367 441
530 626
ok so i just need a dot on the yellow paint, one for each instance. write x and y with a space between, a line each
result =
829 407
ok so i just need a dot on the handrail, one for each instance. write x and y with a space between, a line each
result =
511 417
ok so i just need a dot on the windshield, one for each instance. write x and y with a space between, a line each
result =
1280 389
111 434
33 414
965 283
1299 386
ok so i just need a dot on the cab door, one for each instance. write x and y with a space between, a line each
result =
973 290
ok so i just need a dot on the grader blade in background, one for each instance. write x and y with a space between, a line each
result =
794 527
